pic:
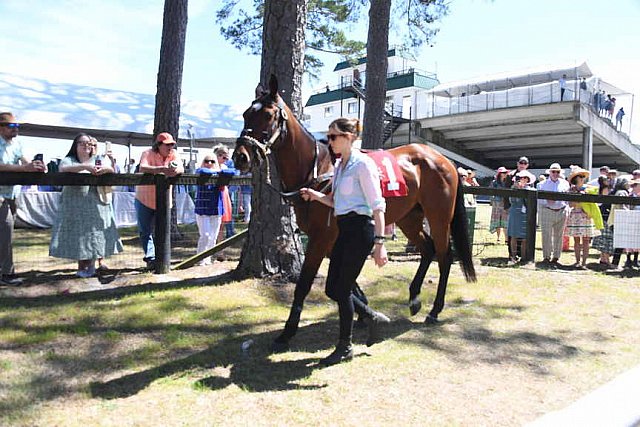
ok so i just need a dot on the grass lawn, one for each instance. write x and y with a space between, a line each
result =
150 350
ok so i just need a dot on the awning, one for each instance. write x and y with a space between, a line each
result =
511 79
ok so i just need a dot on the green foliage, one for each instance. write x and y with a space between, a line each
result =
329 26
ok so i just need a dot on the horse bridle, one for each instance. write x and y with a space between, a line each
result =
265 148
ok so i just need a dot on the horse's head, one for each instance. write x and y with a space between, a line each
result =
265 122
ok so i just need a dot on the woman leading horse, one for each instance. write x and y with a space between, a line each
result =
302 162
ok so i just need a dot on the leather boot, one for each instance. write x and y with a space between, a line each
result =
374 323
342 353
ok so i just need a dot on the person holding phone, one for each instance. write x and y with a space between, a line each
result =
85 228
161 158
11 160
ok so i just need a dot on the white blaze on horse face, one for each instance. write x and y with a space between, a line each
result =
257 106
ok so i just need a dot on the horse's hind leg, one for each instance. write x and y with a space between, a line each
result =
412 227
445 259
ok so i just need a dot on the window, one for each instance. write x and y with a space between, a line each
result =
328 111
352 108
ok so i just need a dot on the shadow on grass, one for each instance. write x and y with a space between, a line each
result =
255 370
118 292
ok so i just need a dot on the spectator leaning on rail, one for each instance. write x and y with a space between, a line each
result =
499 215
209 208
11 160
517 225
552 216
85 227
161 158
522 165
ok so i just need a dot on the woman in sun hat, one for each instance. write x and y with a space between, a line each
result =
499 215
579 224
517 225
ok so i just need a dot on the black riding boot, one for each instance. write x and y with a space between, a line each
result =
342 353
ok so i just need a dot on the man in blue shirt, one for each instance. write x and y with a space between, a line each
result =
11 160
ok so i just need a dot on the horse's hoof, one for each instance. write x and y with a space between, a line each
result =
279 347
430 320
415 305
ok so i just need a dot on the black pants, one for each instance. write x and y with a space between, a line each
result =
353 246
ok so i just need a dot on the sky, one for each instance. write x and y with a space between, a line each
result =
115 45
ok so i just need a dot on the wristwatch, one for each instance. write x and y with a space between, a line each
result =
379 240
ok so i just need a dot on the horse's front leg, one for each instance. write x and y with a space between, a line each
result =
313 259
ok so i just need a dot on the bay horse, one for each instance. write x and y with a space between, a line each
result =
433 193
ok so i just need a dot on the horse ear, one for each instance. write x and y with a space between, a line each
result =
273 85
259 90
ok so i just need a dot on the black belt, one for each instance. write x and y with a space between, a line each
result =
352 214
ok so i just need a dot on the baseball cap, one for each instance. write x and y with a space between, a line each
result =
7 118
165 138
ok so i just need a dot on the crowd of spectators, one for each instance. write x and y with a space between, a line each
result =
84 228
590 225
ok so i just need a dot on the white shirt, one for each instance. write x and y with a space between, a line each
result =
559 186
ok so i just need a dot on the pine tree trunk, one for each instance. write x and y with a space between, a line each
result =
376 79
169 84
272 247
283 49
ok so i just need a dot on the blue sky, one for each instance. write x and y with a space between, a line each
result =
115 45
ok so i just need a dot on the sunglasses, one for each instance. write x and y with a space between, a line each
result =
554 171
523 163
11 125
334 136
209 161
170 145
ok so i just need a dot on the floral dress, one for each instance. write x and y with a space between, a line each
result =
84 228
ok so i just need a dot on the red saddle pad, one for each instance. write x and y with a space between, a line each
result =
391 179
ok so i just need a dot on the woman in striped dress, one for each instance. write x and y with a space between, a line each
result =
499 215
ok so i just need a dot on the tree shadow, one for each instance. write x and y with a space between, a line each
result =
116 292
256 369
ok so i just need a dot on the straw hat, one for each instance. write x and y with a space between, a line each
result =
578 171
554 167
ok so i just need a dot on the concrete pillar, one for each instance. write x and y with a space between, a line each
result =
587 148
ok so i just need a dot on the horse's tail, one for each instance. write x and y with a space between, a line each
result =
460 235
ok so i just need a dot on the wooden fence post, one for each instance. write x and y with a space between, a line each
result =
532 215
162 226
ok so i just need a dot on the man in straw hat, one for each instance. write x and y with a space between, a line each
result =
11 160
553 215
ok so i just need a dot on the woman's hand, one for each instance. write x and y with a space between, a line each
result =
309 194
380 254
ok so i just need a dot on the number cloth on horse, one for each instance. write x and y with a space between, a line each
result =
391 179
